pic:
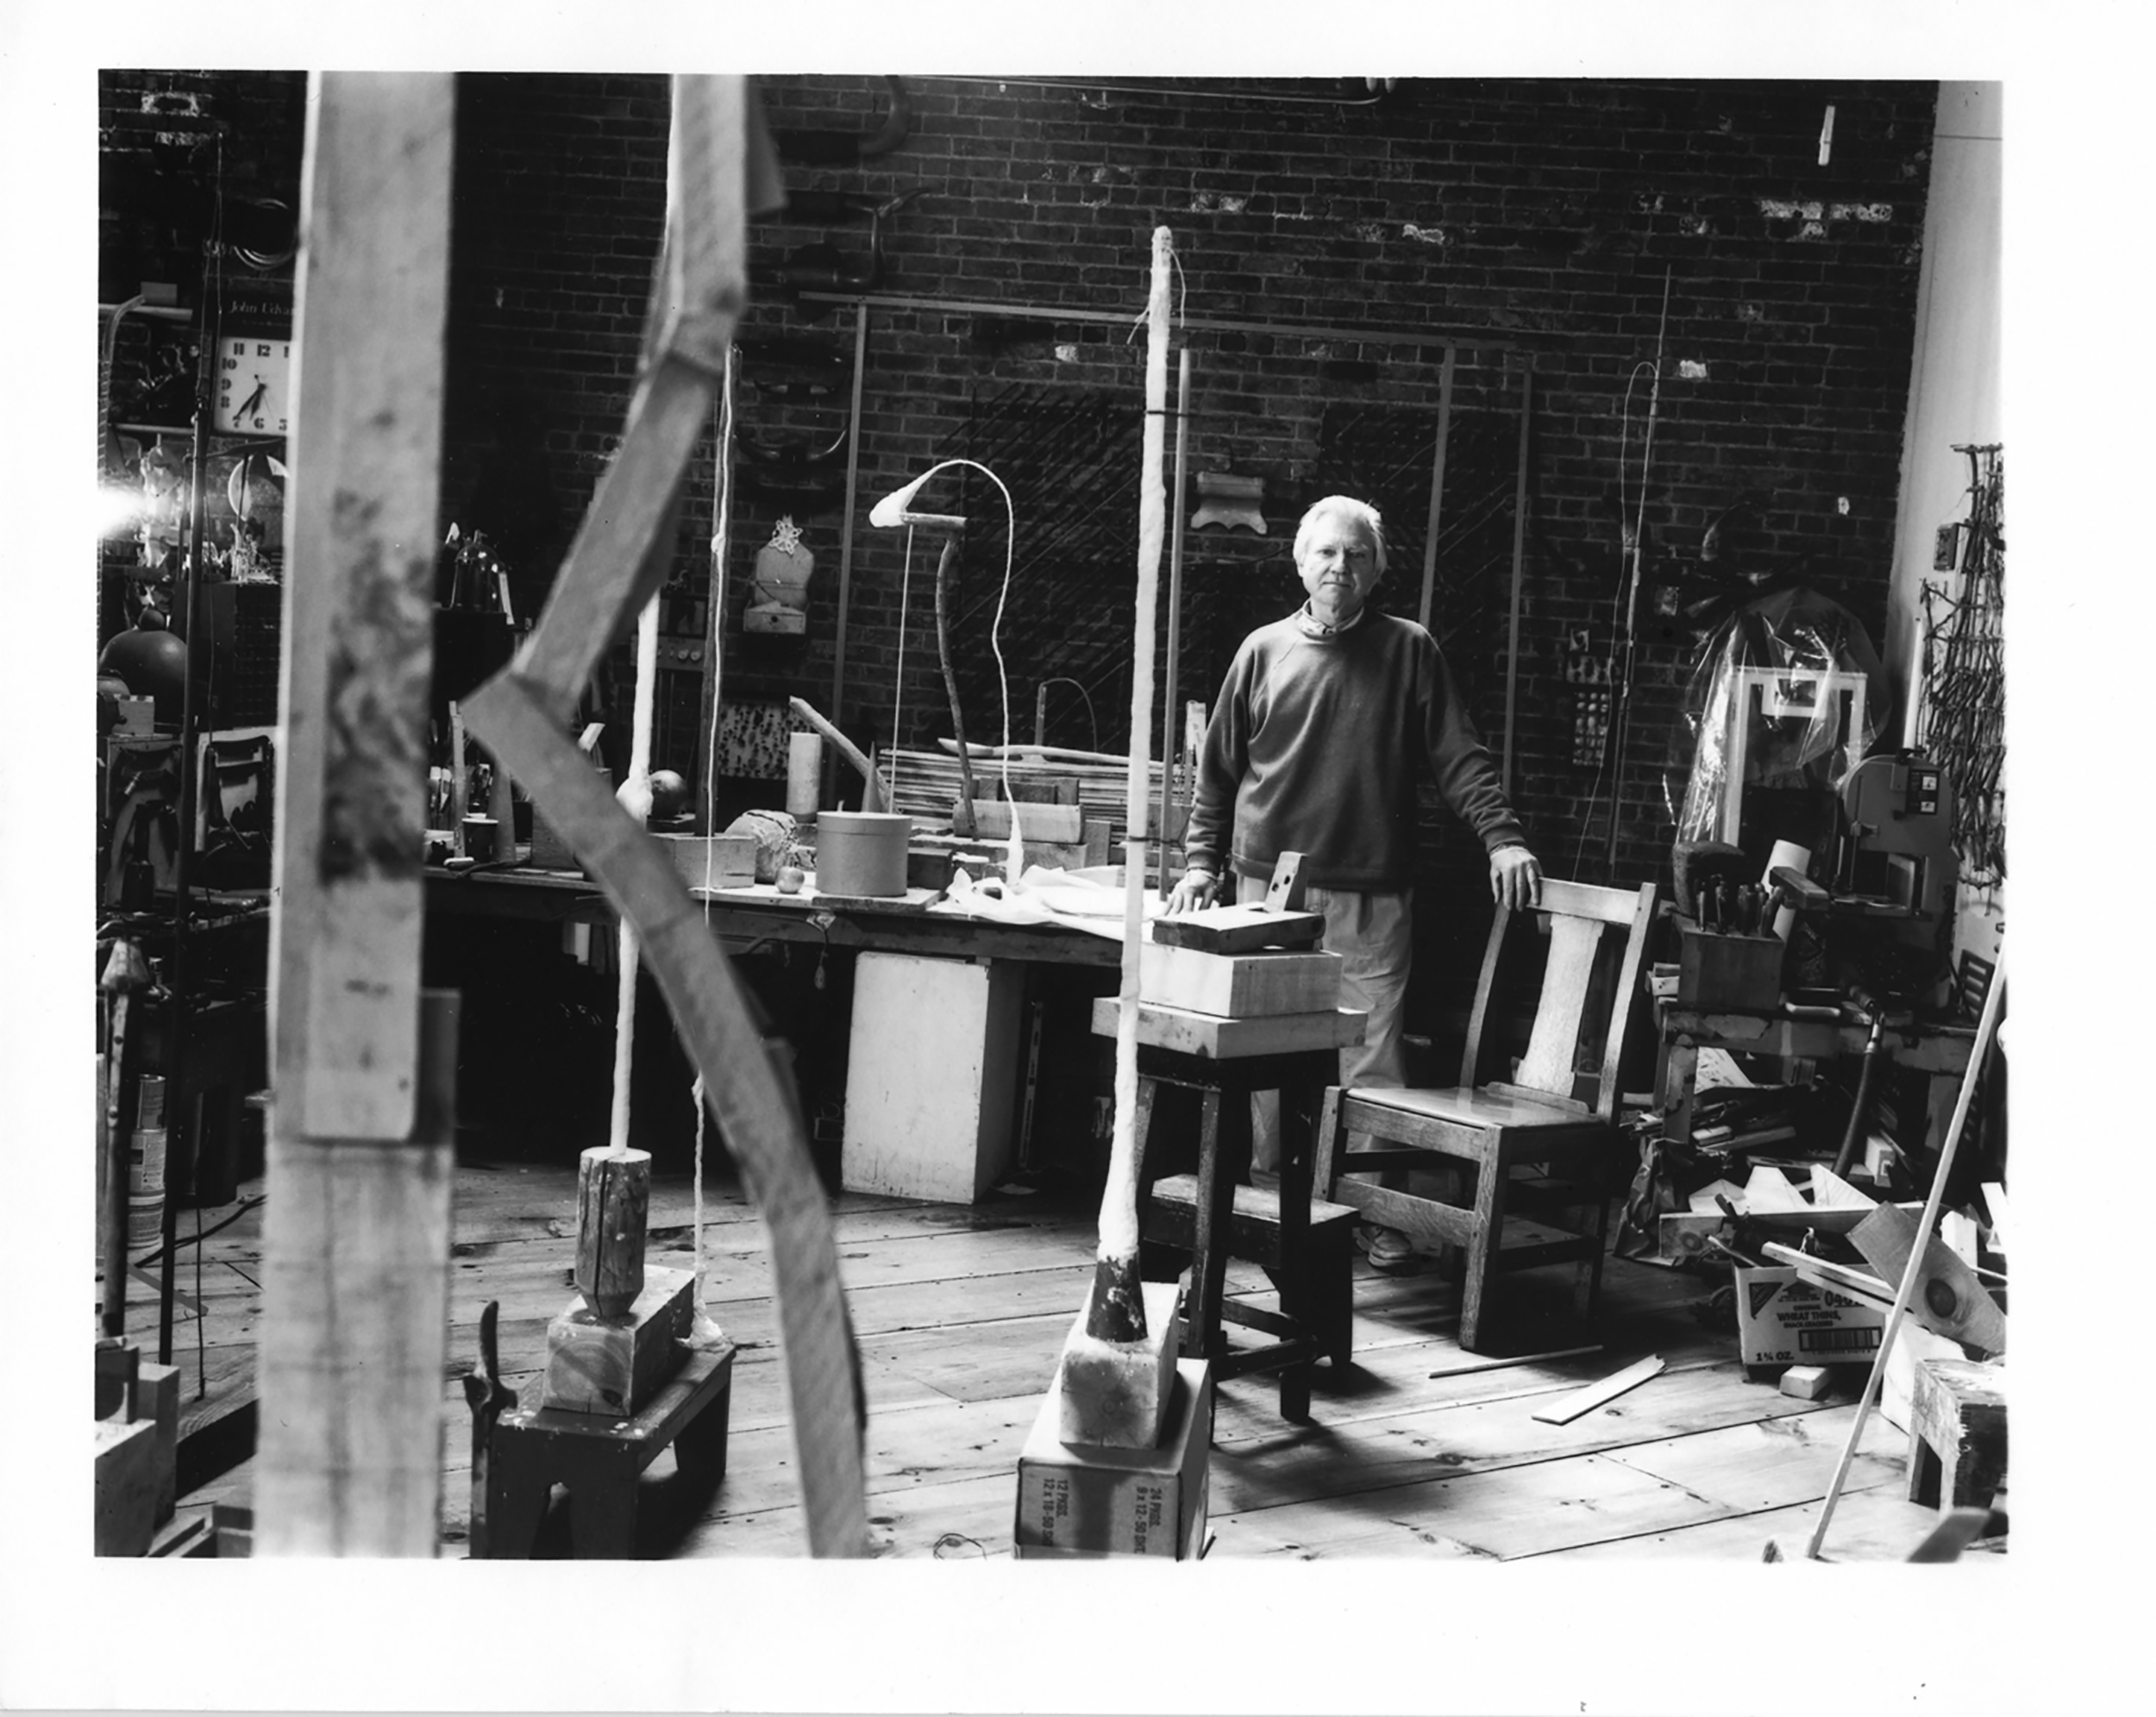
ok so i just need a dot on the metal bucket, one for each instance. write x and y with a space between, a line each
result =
862 852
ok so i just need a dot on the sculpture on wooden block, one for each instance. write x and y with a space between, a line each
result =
720 170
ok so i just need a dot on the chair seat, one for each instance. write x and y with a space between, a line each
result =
1471 1108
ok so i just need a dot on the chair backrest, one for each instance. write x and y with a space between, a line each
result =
1580 916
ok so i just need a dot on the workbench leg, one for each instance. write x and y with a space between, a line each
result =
603 1505
699 1448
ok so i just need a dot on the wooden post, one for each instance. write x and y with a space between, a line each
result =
357 1232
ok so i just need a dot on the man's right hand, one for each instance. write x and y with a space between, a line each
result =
1194 889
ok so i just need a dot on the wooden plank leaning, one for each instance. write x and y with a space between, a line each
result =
362 1151
1987 1027
521 714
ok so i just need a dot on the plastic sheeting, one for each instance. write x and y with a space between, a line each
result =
1788 694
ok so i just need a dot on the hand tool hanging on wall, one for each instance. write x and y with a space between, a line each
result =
819 267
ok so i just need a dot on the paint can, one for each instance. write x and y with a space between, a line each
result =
862 852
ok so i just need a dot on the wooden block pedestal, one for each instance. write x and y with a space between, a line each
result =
1958 1433
599 1458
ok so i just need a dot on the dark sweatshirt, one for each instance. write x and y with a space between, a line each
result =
1315 746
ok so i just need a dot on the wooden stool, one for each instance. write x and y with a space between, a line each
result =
599 1458
1957 1433
1305 1247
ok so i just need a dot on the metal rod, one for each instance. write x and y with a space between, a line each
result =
846 541
1170 750
1620 699
1474 339
715 590
181 1146
1971 1075
1519 569
1437 486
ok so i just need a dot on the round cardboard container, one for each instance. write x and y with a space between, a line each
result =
862 852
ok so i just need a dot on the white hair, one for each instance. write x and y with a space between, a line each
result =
1362 512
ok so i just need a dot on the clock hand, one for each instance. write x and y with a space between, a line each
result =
247 408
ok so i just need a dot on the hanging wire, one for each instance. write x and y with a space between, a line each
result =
722 502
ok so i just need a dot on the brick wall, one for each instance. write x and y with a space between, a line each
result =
1545 219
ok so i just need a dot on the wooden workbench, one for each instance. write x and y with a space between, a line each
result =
1939 1049
742 918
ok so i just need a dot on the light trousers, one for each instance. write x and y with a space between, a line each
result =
1374 936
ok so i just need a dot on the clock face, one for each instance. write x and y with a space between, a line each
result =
254 384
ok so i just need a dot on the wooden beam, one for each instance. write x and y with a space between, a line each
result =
359 608
356 1270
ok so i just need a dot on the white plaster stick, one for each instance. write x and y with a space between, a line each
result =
1118 1312
635 797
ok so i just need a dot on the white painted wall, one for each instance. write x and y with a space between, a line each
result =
1954 395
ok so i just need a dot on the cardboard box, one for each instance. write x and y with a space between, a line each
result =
1782 1319
1085 1501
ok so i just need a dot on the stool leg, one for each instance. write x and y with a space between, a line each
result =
1926 1474
700 1447
517 1490
603 1505
1225 1124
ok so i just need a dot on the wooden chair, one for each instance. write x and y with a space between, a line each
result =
1550 1114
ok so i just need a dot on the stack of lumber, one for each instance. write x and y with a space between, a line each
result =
926 784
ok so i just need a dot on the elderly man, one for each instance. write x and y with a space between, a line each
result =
1315 745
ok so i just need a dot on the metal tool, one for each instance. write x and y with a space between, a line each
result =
490 1398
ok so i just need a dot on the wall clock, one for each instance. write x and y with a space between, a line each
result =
254 390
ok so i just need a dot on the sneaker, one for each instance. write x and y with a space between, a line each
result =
1387 1249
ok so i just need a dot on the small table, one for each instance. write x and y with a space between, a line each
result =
1305 1244
598 1458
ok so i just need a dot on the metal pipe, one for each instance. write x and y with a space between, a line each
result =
181 1146
1473 339
1519 568
1437 486
846 541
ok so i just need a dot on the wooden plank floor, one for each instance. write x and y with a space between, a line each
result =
1418 1450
